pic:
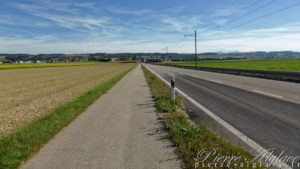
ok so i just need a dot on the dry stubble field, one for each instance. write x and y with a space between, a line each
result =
26 94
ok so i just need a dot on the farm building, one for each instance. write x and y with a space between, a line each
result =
123 59
28 62
84 59
151 60
114 59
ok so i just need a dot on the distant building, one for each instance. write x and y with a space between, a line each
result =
114 59
151 60
0 62
28 62
103 59
84 59
124 59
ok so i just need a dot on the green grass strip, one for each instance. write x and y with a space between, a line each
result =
290 65
26 141
190 139
30 66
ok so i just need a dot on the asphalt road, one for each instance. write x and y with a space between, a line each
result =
266 111
281 90
120 130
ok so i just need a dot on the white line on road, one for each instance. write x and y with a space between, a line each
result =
195 76
216 81
256 147
220 82
267 94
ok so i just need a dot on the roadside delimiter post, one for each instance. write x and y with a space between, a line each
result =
173 87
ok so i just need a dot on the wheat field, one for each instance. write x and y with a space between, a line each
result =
26 94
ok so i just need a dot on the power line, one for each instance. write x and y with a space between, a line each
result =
249 6
250 21
253 11
176 44
248 13
252 4
258 18
165 49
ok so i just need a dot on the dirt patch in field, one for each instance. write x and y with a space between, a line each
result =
26 94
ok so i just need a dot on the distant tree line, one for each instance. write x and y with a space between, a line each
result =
15 58
208 55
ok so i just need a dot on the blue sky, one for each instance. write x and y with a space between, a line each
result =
82 26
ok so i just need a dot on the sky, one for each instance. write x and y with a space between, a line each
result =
117 26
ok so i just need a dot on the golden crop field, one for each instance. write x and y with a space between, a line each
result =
26 94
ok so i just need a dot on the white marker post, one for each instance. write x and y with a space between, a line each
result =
173 87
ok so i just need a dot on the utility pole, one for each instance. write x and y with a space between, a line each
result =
196 57
165 49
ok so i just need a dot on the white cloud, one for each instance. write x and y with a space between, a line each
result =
75 22
226 11
129 12
95 32
279 43
286 37
175 10
42 24
70 18
221 21
273 39
47 5
183 23
44 44
8 19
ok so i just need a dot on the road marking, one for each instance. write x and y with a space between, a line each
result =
195 76
267 94
256 91
254 146
216 81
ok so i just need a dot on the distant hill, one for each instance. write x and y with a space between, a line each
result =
253 55
187 56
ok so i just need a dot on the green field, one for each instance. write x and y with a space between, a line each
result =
291 65
2 58
25 66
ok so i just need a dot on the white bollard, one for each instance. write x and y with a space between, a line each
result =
173 87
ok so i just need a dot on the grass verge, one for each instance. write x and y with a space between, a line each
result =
29 66
197 146
23 143
290 65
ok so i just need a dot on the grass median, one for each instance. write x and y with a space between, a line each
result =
26 141
197 146
290 65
